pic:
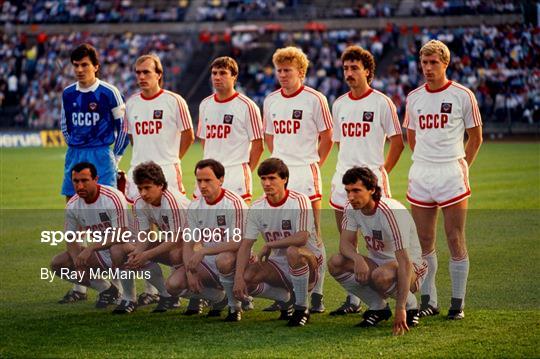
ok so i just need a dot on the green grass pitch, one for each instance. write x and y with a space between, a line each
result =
502 307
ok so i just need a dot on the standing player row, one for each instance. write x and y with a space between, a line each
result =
297 127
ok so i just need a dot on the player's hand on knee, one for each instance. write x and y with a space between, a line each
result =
137 260
400 322
194 283
82 258
264 253
361 271
195 260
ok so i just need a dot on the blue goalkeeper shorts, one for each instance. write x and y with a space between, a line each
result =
101 157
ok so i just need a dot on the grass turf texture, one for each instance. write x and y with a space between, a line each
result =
502 309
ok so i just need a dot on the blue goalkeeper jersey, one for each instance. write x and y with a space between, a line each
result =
93 117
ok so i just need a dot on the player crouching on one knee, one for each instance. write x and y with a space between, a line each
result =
95 208
166 209
393 266
216 220
290 258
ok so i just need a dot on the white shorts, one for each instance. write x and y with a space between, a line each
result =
338 197
173 175
438 184
104 258
237 179
420 269
209 263
281 265
306 180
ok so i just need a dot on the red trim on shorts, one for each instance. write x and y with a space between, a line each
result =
315 173
247 180
282 275
179 178
339 208
455 199
384 180
420 203
213 275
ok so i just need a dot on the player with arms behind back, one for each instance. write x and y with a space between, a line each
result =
363 119
393 266
298 127
230 129
437 116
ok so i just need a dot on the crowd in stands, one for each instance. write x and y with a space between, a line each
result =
34 73
90 11
500 64
465 7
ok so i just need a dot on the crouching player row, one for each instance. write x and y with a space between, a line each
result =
393 267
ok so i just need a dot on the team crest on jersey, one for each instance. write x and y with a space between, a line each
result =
92 106
297 114
165 220
104 217
227 119
368 116
446 107
377 235
158 114
286 224
221 220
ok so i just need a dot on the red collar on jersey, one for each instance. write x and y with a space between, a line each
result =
374 209
447 85
219 198
280 203
293 94
97 195
364 95
152 97
227 99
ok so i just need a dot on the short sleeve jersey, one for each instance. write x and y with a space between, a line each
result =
88 115
439 119
276 221
108 210
295 121
389 229
155 124
227 212
170 215
228 127
361 126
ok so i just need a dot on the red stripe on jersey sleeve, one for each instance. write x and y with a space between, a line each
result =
117 203
174 209
393 224
327 117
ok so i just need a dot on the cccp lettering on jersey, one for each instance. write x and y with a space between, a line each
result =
148 127
355 129
217 131
286 126
433 121
84 118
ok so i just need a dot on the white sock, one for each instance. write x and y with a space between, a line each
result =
265 290
128 287
79 288
214 295
318 288
300 282
100 284
156 278
354 299
364 292
459 271
149 288
428 287
117 284
411 303
227 281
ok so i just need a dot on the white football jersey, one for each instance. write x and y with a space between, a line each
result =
227 214
295 121
108 210
155 125
361 126
228 127
389 229
439 119
170 215
276 221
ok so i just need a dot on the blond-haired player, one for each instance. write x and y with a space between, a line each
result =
298 127
363 119
159 125
437 116
230 128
